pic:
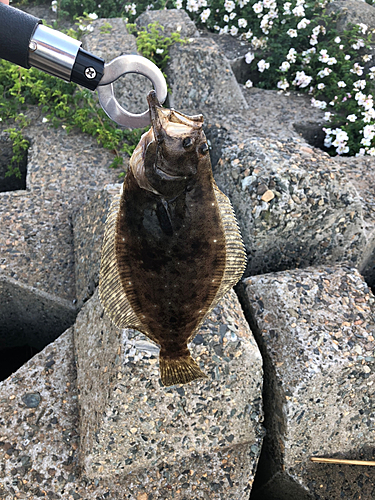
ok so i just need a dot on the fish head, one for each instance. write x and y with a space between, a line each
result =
172 150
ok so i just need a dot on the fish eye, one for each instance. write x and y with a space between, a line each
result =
187 142
203 148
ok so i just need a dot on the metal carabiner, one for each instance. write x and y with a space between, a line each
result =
121 66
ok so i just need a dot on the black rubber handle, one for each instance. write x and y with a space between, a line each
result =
16 30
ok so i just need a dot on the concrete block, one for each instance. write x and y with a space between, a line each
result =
172 20
294 204
315 328
36 240
200 440
38 436
202 80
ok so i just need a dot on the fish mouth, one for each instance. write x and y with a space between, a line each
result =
155 108
156 112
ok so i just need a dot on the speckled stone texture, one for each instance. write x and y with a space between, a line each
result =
294 205
36 237
202 80
38 426
109 42
316 330
172 20
201 440
352 12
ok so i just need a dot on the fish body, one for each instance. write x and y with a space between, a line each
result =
172 247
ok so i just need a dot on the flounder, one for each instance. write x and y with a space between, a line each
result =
172 247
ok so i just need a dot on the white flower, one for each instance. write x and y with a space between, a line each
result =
313 40
367 57
282 84
242 23
292 33
285 66
369 131
371 152
249 57
347 57
320 86
178 4
357 69
248 34
299 11
249 84
337 39
133 8
324 72
292 55
368 116
316 30
361 152
287 6
302 80
368 134
306 55
359 84
258 7
233 31
351 118
327 116
318 104
191 5
205 15
363 28
89 28
359 43
159 51
331 61
258 43
303 23
232 15
54 6
342 149
229 5
265 24
45 120
202 3
323 56
372 73
341 84
226 18
93 16
262 65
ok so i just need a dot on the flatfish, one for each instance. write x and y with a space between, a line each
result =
172 247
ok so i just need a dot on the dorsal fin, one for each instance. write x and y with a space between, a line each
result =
236 259
111 293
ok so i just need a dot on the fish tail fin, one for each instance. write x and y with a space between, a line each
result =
179 370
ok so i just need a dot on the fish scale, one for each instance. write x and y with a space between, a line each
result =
172 247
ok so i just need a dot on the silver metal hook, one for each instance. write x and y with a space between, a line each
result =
121 66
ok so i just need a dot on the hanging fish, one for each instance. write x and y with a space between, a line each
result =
172 247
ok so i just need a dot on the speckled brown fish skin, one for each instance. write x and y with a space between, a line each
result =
172 247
